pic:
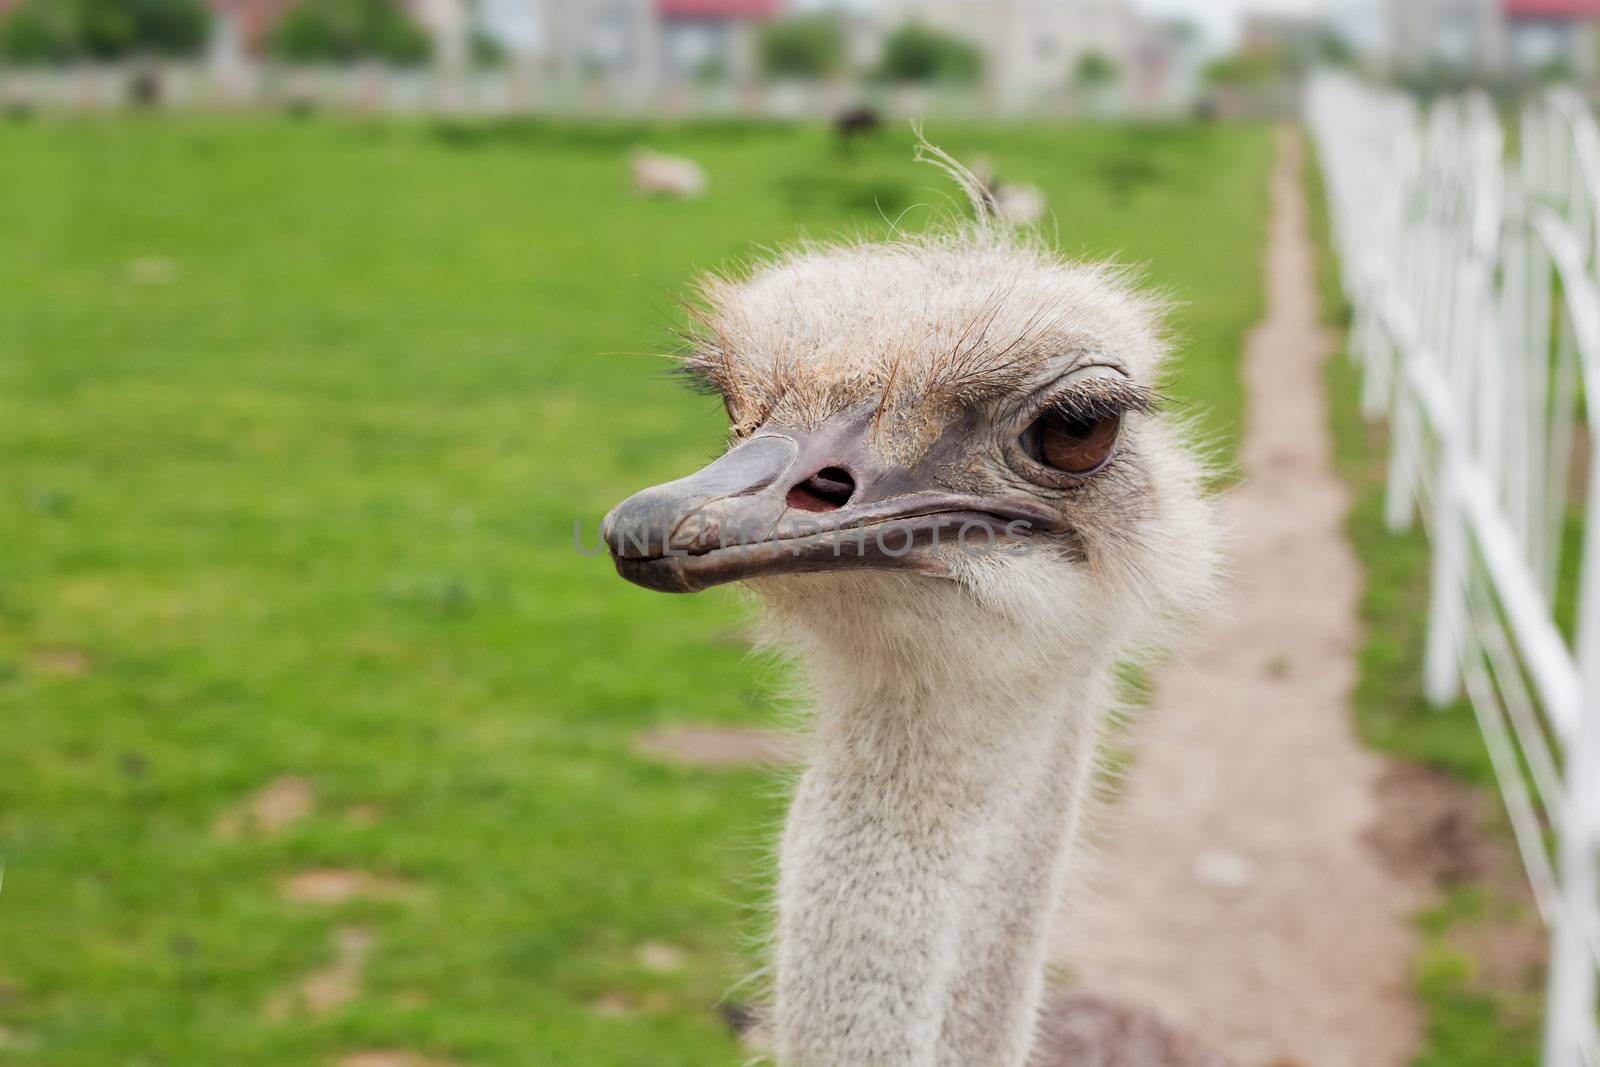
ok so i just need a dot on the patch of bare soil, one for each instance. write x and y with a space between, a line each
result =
1509 953
331 987
619 1004
1088 1031
152 270
272 809
660 957
389 1058
61 662
335 885
1434 829
1430 828
340 982
720 746
1237 894
363 814
612 1005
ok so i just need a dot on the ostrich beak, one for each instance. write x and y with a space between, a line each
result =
794 502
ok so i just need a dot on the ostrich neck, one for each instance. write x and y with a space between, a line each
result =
924 855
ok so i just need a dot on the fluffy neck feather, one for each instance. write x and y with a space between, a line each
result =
927 843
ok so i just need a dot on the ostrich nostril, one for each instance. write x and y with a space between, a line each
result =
827 490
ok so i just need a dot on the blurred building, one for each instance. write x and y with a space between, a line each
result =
678 55
241 27
244 24
633 40
1032 48
1282 34
1494 39
650 42
712 38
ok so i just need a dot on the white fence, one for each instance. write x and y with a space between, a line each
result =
1474 279
512 89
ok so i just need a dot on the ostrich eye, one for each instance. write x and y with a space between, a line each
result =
1075 444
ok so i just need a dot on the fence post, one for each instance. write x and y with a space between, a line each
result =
1569 1036
1404 452
1570 1023
1459 348
1447 596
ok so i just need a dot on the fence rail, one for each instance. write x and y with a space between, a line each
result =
513 89
1474 282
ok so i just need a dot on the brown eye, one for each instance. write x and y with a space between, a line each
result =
1073 443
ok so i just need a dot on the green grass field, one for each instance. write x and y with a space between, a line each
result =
295 422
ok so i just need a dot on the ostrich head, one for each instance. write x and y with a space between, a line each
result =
951 482
960 419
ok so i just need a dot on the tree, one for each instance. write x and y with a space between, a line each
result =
113 29
485 48
1186 33
39 32
1095 70
1330 47
62 30
344 31
807 47
1556 70
918 53
1244 71
710 71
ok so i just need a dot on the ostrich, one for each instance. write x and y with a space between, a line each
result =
657 175
1017 203
951 485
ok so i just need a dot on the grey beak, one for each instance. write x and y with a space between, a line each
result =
722 504
789 501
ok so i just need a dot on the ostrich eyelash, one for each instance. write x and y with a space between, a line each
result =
1100 398
698 376
707 378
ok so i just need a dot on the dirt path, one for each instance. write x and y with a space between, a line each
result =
1234 895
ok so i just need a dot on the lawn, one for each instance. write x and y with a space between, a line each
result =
296 419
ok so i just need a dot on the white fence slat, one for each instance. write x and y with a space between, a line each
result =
1474 284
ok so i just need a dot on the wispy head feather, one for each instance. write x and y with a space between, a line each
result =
978 193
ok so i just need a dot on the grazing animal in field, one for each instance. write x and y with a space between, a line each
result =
144 88
655 174
1019 204
951 484
1013 203
858 121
